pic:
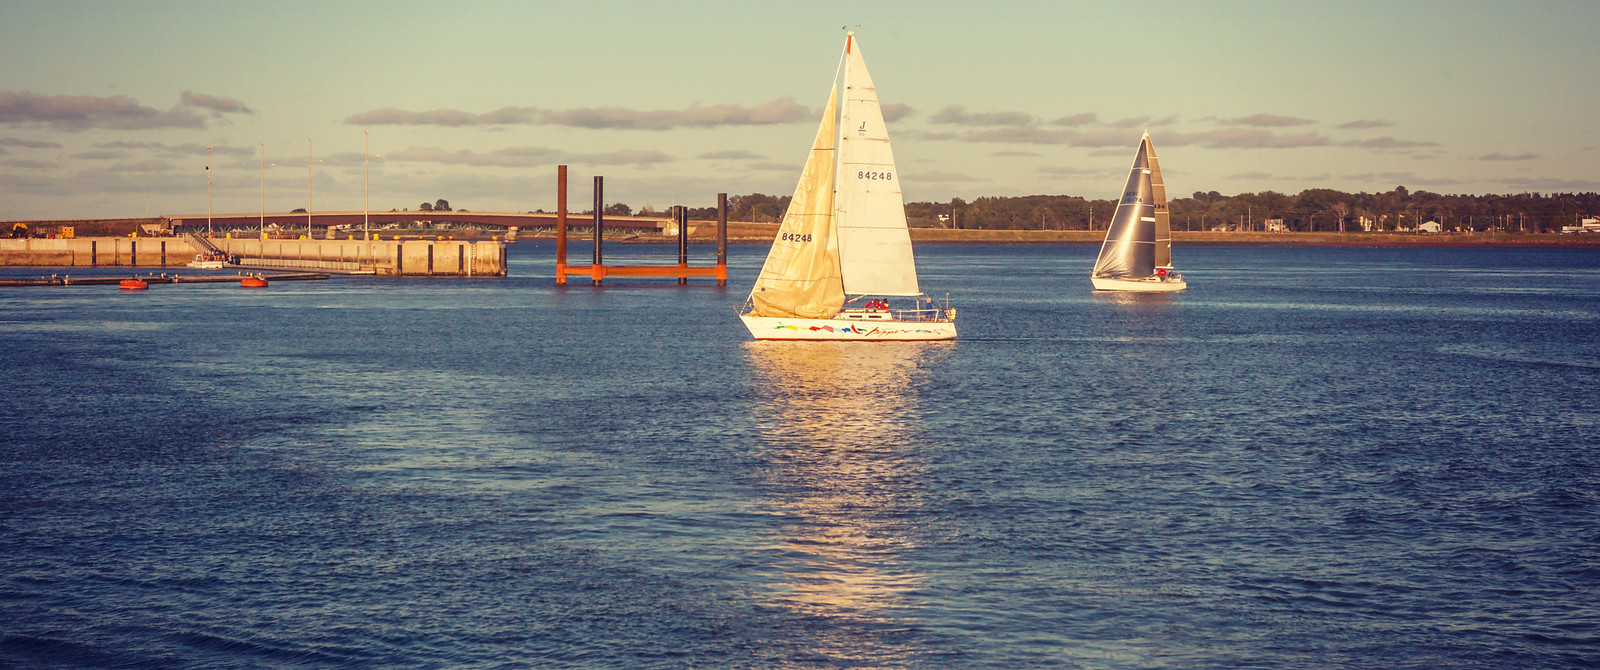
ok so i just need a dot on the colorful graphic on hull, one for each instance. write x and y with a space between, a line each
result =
856 330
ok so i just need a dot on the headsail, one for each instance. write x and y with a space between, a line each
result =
801 275
1158 200
1130 246
874 245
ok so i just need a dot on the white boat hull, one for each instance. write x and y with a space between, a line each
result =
207 265
1148 285
783 328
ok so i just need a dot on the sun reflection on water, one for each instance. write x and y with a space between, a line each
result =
839 426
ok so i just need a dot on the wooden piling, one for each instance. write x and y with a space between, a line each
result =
722 239
561 225
597 269
681 213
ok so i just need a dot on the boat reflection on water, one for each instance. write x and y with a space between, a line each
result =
1136 298
838 421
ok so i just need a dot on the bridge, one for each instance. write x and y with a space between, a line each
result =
293 221
507 220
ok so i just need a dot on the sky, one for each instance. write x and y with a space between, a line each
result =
106 108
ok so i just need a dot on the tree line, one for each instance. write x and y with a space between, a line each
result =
1312 210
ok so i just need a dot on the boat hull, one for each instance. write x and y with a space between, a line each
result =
784 328
1147 285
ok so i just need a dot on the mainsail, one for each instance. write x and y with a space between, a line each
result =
1158 199
801 275
874 245
1130 246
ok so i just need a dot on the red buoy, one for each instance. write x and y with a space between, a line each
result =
134 284
253 282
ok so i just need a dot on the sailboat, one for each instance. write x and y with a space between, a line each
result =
1137 252
843 250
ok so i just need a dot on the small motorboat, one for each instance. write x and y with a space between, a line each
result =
253 282
133 284
208 262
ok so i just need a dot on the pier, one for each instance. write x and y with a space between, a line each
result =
387 258
163 278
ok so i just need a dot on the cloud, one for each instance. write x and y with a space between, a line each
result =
217 104
1130 122
1503 157
1387 142
81 112
1364 124
188 149
100 155
895 111
1076 119
1552 184
152 165
1164 121
1070 172
1401 178
734 155
28 144
1106 138
1256 175
1265 121
1239 138
774 167
26 164
525 157
929 137
930 177
1025 135
958 115
782 110
1016 153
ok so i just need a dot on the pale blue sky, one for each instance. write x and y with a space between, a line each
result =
106 107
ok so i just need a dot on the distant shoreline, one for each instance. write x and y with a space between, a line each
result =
762 233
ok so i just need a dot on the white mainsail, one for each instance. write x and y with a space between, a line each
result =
1129 249
874 245
845 234
801 275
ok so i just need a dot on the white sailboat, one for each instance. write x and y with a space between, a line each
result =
1137 252
843 250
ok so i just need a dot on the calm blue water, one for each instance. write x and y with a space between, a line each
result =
1312 458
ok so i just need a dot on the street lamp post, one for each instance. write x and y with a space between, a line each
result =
366 178
263 190
308 187
208 191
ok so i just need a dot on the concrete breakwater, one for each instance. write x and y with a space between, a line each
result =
395 258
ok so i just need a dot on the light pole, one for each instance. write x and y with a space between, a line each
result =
308 187
264 166
263 190
366 178
208 190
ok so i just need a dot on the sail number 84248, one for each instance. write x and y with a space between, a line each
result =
875 176
797 237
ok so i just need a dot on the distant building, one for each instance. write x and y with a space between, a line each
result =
1431 227
1275 226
